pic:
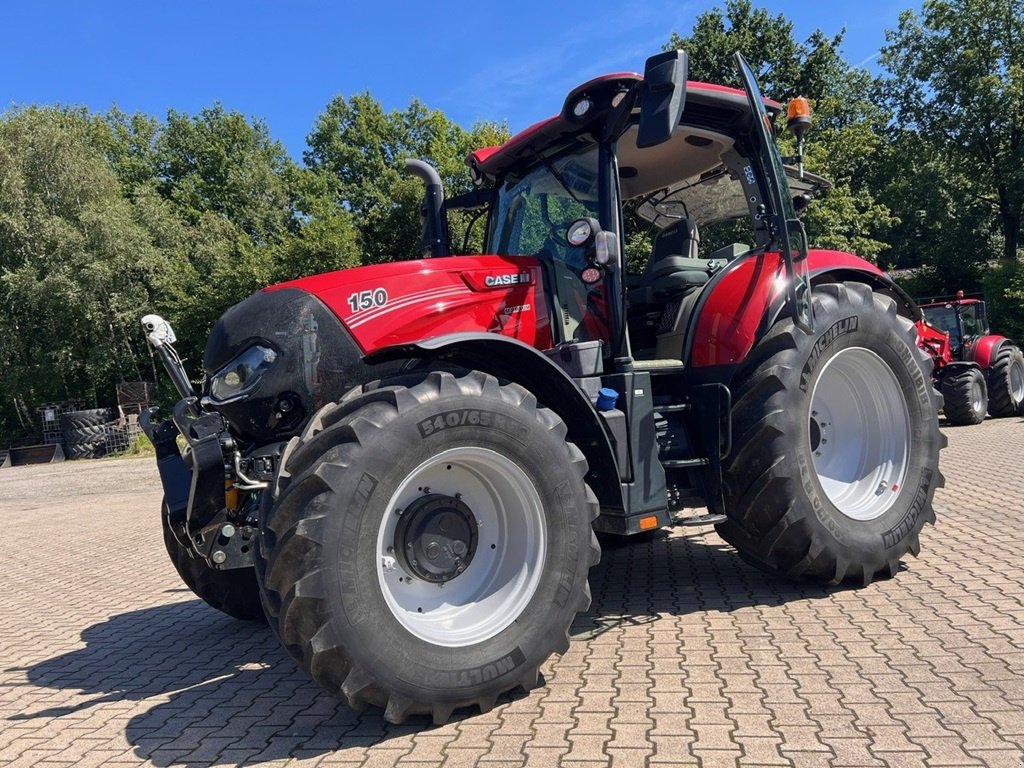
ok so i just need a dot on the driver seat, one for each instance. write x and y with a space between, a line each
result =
673 273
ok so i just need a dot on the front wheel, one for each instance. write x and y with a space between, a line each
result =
836 443
1006 382
427 547
965 397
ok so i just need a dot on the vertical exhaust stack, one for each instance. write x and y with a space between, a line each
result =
435 223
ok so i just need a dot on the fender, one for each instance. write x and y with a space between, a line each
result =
838 266
512 360
986 349
745 299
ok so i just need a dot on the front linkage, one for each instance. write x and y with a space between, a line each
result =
211 494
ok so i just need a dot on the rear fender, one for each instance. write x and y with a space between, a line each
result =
515 361
748 297
986 349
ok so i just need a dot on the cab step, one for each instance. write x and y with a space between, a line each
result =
708 519
684 463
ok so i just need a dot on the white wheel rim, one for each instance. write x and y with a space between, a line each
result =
504 570
978 395
859 428
1016 381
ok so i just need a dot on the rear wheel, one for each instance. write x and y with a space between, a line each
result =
836 443
1006 382
426 548
233 592
965 397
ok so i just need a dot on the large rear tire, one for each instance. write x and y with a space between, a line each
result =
965 397
234 592
426 548
1006 382
836 443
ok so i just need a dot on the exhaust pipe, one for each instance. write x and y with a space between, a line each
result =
435 223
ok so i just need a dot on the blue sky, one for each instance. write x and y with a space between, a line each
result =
283 61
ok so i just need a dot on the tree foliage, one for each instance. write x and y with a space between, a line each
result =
104 217
957 87
360 150
848 217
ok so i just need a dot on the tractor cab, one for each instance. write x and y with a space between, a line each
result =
964 319
656 161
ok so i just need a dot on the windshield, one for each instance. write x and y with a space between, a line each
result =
943 317
533 212
789 232
531 217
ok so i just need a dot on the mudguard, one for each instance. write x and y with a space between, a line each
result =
986 349
512 360
745 299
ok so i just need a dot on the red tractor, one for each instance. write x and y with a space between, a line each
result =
977 372
402 466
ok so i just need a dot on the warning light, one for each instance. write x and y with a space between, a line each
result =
798 116
648 523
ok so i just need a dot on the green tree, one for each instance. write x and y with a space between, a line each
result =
77 261
360 150
845 137
957 83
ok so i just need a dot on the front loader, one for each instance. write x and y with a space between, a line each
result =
404 464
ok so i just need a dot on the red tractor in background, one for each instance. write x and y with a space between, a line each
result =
402 466
976 371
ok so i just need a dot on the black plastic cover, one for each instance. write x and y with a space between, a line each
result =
317 362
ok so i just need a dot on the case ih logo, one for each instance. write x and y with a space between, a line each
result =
519 278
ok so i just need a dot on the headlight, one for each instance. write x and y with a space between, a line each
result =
241 375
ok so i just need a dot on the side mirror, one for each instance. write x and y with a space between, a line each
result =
663 98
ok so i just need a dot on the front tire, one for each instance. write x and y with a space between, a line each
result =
1006 382
836 443
426 548
965 397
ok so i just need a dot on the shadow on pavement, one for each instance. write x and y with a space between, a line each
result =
224 692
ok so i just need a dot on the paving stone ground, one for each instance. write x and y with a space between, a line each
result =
688 656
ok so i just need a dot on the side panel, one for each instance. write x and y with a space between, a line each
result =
744 299
935 343
402 302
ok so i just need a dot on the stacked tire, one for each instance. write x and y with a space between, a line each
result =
85 432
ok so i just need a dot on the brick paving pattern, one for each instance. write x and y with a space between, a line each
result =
688 656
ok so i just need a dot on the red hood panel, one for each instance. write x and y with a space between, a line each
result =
409 301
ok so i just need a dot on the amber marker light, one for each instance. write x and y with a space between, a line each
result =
798 120
647 523
798 116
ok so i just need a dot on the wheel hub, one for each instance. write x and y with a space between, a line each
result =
436 537
859 433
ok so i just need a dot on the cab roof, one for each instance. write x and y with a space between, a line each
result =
702 98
